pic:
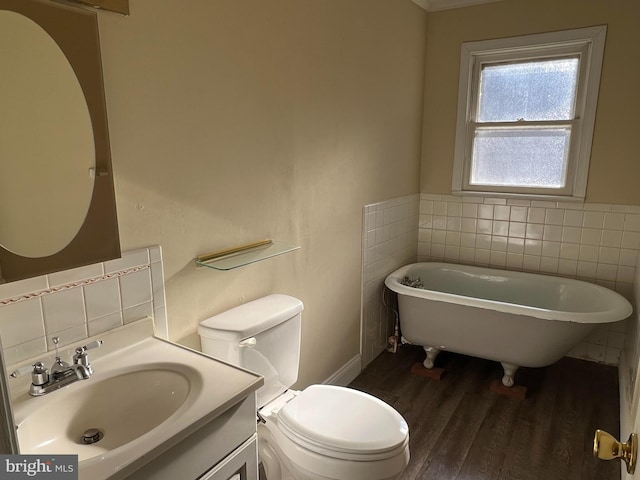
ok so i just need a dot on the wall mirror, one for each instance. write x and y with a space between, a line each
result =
57 201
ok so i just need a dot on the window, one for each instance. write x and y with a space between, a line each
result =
526 111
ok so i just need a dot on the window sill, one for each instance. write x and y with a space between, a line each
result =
519 196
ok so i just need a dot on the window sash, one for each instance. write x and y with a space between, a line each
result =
481 65
570 166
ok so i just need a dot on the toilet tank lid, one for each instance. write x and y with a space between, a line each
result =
251 318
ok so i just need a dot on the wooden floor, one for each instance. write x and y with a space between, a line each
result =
460 430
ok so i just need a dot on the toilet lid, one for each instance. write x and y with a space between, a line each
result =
344 420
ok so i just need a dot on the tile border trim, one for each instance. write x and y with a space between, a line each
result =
81 283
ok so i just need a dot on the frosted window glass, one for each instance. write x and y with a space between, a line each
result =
520 157
534 90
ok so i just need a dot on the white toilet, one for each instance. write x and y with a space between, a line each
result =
322 432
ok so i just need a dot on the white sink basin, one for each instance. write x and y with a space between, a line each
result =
144 399
145 396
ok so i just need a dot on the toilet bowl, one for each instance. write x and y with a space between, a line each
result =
322 432
329 432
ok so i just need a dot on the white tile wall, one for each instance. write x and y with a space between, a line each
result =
82 302
593 242
389 240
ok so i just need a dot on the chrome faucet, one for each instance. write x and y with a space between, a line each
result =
60 374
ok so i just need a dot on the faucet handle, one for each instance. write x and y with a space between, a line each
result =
19 372
81 358
80 351
39 373
94 344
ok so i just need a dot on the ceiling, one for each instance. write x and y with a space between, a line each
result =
435 5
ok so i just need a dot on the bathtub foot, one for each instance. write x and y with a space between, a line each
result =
509 373
432 353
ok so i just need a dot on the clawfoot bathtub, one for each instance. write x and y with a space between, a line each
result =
515 318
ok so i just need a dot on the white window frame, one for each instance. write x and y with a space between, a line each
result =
588 43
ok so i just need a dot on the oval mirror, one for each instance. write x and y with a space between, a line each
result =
46 142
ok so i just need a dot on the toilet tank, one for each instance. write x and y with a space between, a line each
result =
262 336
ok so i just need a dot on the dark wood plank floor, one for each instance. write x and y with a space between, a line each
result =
460 430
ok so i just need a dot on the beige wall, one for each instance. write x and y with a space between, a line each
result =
614 170
233 121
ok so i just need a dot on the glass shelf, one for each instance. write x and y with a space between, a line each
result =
253 255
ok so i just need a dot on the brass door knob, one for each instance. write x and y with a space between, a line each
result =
606 447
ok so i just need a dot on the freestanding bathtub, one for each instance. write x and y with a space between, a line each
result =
515 318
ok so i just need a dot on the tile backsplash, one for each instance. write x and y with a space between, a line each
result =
82 302
597 243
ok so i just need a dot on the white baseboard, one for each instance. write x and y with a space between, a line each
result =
347 373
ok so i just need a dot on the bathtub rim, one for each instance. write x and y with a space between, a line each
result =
621 311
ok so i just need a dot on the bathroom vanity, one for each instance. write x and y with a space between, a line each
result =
163 412
225 449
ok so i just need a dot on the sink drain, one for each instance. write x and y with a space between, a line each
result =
92 435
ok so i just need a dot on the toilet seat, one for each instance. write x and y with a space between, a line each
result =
343 423
329 432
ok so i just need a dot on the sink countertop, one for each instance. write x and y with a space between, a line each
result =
133 348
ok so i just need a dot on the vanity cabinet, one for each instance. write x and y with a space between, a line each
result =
242 464
226 448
